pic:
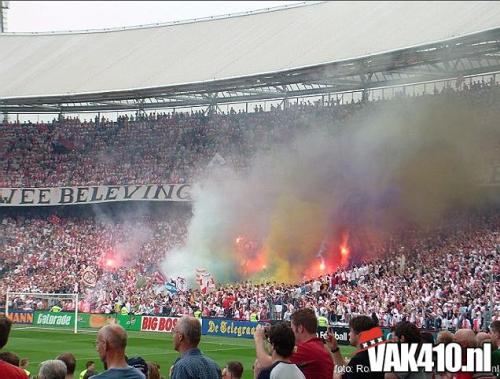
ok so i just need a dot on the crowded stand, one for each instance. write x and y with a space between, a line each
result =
177 147
443 279
212 199
58 254
400 282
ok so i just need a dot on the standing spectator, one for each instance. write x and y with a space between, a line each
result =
6 369
233 370
70 362
282 340
9 357
495 339
359 364
310 354
192 364
139 363
111 343
467 339
24 363
89 366
52 369
153 370
406 332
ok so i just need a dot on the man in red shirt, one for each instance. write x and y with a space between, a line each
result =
8 371
310 354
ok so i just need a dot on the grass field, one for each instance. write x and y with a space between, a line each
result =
41 344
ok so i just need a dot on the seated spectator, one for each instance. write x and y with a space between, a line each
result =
110 344
9 371
282 341
233 370
52 369
192 363
70 362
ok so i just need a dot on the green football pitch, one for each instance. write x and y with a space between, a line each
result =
41 344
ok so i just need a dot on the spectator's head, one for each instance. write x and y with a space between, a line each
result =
282 340
407 332
24 363
53 369
445 337
482 338
233 370
187 334
494 332
90 365
5 325
140 364
357 325
153 370
9 357
466 338
427 337
70 362
111 343
304 324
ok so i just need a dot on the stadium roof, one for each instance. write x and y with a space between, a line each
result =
320 47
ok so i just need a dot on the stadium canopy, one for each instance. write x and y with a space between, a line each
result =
307 49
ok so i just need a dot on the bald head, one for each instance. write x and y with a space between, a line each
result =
482 337
115 336
466 337
190 328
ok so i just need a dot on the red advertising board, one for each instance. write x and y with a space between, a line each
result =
158 324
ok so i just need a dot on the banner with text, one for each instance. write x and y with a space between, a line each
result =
93 194
158 324
19 316
228 328
60 319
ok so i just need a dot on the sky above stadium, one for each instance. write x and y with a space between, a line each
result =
41 16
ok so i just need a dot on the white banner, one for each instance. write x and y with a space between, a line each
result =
93 194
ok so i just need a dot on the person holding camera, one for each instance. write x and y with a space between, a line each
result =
282 341
310 353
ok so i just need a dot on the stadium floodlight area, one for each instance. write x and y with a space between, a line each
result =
51 297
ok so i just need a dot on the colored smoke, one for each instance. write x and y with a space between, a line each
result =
390 164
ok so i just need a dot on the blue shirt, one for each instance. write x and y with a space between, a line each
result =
120 373
194 365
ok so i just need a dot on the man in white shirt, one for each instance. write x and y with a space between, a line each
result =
282 340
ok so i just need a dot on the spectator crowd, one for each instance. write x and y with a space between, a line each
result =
177 147
446 279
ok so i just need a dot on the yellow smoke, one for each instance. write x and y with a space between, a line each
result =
296 230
